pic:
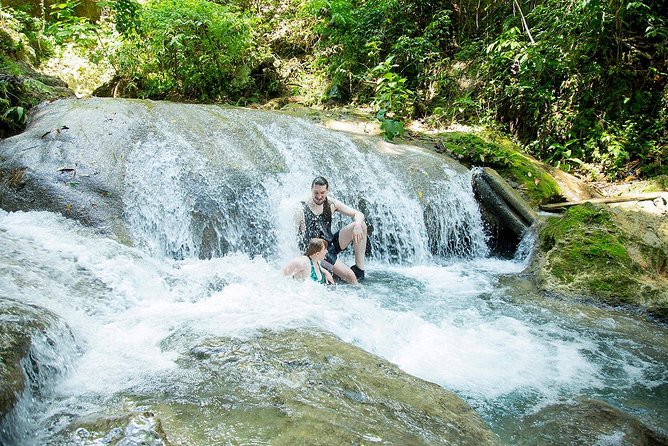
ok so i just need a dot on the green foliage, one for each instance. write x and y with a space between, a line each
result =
393 46
392 100
589 88
582 85
195 49
21 37
12 115
65 26
359 37
391 95
126 15
21 44
391 128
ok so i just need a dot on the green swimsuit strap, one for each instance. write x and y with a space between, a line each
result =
322 276
314 275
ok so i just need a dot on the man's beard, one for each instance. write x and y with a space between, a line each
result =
322 201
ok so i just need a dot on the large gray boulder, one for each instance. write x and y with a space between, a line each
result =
287 388
129 166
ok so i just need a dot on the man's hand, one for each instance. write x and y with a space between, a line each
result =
358 234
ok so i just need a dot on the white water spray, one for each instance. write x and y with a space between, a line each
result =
213 224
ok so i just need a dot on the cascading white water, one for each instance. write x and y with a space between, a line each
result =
451 324
433 303
247 208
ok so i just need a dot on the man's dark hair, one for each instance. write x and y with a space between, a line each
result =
320 181
326 209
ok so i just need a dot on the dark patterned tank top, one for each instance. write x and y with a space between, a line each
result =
319 226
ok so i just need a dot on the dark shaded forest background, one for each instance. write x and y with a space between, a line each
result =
581 85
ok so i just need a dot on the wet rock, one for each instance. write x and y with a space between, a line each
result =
14 345
505 212
132 429
20 322
36 348
297 387
587 422
138 169
613 255
115 88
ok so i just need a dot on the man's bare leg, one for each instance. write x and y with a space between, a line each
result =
346 236
343 271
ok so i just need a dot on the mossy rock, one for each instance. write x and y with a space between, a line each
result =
584 422
20 322
525 174
293 387
586 253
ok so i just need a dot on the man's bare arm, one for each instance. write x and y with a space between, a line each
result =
300 224
359 228
343 208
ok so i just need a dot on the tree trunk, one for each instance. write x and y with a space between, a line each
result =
622 199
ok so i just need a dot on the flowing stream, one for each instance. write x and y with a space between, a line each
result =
434 302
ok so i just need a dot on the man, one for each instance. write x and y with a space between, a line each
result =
315 220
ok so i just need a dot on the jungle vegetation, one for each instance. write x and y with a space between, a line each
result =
580 84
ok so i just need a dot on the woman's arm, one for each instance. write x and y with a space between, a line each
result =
296 268
328 276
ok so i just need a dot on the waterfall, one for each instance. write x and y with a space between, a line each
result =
241 194
206 197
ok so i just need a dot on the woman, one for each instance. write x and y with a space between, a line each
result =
308 265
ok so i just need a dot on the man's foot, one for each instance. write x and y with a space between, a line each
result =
359 273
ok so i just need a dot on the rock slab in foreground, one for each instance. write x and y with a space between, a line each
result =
295 387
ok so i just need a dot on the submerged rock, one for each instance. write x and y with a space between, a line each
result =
21 324
36 348
138 428
293 387
17 323
587 422
297 387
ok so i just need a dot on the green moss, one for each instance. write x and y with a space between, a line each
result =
661 182
487 149
586 250
579 217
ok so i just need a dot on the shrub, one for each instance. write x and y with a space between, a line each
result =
586 89
195 49
358 38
